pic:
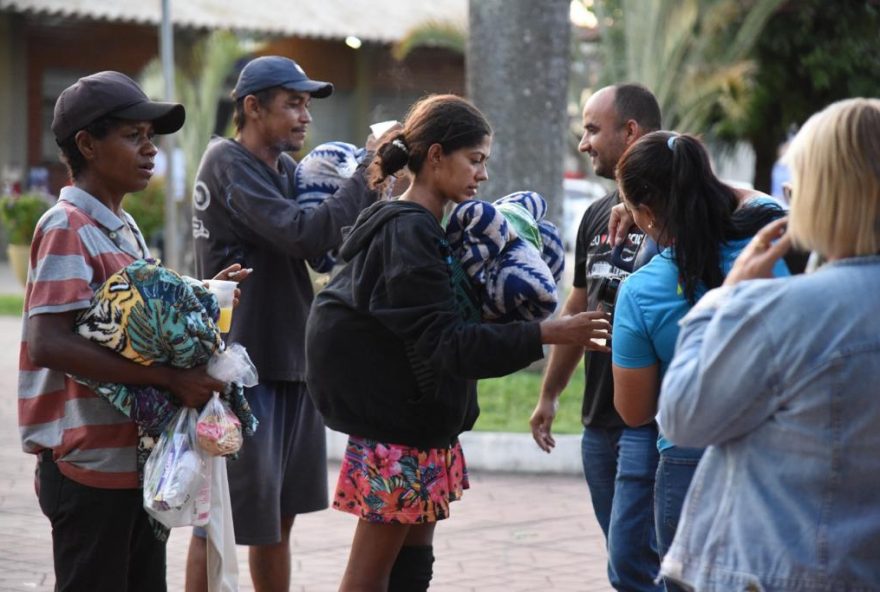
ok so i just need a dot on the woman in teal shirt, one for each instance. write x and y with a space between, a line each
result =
667 184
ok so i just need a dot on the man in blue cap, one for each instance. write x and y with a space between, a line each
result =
244 211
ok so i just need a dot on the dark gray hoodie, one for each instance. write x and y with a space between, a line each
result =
390 355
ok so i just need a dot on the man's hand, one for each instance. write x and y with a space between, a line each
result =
193 387
373 143
234 273
619 224
541 423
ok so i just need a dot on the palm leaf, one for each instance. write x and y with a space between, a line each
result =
690 53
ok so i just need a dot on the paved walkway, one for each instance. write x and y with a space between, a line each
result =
510 533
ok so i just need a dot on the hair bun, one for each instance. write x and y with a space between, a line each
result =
394 155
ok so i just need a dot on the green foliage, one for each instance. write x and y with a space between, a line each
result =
693 54
147 207
20 216
200 80
812 53
507 403
447 35
11 305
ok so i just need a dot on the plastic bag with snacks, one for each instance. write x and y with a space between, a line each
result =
218 429
177 478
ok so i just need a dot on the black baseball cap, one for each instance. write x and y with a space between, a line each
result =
271 71
111 93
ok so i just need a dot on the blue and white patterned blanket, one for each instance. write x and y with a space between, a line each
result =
513 256
318 176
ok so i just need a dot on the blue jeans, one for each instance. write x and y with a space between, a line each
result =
620 465
674 473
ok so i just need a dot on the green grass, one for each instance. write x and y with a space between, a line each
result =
507 403
11 305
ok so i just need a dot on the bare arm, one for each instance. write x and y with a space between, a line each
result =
561 365
53 344
635 393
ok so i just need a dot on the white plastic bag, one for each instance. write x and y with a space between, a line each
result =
177 478
222 560
233 364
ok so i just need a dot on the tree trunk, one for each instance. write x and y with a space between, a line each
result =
518 59
766 152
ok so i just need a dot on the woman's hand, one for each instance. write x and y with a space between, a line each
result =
234 273
588 329
619 224
761 254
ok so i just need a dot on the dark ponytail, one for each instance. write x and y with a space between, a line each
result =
390 157
448 120
695 211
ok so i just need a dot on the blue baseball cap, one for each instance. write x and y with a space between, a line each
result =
271 71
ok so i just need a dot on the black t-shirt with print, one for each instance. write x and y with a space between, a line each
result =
592 263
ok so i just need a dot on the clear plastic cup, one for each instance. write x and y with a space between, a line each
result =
378 129
225 292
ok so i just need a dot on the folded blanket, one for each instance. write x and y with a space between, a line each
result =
505 248
151 315
319 175
552 249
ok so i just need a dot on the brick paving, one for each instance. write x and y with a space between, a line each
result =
510 532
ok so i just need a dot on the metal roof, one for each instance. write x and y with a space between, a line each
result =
384 21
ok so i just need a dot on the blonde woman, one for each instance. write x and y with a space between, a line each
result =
778 378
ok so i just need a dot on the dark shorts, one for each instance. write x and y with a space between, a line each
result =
282 469
101 538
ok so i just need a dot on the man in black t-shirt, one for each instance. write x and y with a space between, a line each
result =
619 462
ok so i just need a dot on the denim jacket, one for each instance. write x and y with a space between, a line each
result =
780 379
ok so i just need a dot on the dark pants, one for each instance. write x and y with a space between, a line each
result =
101 538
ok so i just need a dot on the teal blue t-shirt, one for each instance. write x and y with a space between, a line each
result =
649 305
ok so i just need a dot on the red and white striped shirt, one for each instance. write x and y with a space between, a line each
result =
78 244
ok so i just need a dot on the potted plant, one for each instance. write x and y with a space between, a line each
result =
19 215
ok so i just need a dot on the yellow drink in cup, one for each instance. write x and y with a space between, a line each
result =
224 323
225 292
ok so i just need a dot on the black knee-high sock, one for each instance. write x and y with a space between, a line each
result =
412 570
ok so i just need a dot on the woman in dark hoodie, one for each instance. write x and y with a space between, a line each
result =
394 344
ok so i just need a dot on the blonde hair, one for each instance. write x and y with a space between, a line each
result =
835 160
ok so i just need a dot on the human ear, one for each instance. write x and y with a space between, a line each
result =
251 106
633 131
648 213
85 142
435 152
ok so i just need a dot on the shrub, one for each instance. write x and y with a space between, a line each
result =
147 207
20 216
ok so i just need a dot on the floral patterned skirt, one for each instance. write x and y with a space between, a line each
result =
395 484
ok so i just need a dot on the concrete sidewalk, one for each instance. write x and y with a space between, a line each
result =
510 532
8 282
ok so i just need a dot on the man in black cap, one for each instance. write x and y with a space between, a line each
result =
244 212
88 484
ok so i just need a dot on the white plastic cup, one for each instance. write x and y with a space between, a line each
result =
378 129
225 292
